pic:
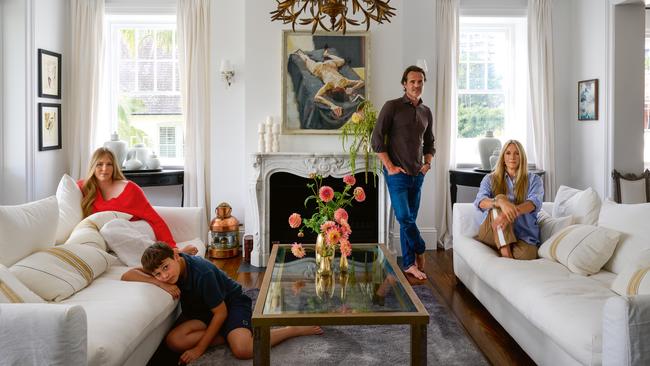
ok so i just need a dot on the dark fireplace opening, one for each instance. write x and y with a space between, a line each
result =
288 193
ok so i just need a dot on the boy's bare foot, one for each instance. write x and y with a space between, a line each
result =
419 260
217 340
415 272
308 330
190 249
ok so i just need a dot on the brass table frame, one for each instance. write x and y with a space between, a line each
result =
262 323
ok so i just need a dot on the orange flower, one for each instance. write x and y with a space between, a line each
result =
350 180
359 194
345 247
340 214
332 236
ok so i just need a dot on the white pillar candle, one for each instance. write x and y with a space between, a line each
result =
260 127
269 120
276 128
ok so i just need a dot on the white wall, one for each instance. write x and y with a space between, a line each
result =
27 174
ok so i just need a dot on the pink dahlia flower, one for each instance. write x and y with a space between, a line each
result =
350 180
326 193
345 247
327 225
295 220
359 194
340 214
298 250
332 236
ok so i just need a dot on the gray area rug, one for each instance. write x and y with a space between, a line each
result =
447 343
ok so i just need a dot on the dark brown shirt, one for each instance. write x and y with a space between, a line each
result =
405 132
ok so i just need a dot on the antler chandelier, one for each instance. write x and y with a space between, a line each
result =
288 11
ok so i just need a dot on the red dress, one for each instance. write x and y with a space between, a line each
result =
133 201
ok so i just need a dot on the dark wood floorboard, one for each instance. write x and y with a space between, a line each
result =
495 343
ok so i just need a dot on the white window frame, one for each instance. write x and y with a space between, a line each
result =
111 69
514 85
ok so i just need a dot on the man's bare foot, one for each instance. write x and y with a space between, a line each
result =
308 330
419 260
415 272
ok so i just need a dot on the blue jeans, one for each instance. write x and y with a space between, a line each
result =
404 193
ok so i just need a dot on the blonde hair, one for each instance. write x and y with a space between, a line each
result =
89 188
499 185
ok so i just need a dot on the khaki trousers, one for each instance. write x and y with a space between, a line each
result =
520 249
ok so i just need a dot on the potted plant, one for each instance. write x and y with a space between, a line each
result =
356 135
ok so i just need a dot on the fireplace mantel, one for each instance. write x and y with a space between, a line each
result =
263 165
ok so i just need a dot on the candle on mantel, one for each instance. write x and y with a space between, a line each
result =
260 127
276 128
269 120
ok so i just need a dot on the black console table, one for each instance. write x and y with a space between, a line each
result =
156 178
472 178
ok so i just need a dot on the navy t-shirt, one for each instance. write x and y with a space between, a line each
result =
204 286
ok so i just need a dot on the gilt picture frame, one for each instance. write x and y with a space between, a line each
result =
49 74
588 100
325 77
49 126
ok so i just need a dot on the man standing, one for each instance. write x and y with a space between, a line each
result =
403 140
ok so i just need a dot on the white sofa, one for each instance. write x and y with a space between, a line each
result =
558 317
110 322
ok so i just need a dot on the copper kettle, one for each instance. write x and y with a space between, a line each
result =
224 222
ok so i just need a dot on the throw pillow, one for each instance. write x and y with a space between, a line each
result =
550 225
13 291
632 281
27 228
87 231
631 220
584 206
57 273
128 239
583 249
69 197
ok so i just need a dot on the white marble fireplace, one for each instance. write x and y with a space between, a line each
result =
263 165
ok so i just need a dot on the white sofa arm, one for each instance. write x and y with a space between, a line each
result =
43 334
626 330
467 220
185 223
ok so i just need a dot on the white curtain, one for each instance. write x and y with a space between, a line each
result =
84 75
444 78
540 58
193 25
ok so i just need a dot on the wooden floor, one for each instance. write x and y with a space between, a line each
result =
495 343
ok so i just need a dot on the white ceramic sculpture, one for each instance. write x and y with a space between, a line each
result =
118 147
486 146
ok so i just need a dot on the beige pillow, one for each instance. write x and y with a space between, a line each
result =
87 231
583 249
13 291
27 228
57 273
632 281
550 225
584 206
68 195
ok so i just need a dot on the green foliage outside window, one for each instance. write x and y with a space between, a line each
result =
125 109
478 113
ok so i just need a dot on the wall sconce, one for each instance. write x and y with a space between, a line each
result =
422 63
227 72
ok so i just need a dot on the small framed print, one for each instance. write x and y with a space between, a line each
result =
49 126
588 100
49 74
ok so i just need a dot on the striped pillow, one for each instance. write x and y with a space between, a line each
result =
13 291
632 281
583 249
57 273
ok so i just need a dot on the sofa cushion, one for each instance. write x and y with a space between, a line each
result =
120 315
13 291
27 228
584 206
56 273
631 220
565 306
87 231
584 249
549 225
68 195
128 239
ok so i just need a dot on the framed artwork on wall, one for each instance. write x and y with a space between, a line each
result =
588 100
49 126
325 76
49 74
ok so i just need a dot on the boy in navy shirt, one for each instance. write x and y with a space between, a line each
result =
214 309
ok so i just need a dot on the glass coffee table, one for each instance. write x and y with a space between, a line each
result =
374 291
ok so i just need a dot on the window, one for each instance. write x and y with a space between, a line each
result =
142 68
492 83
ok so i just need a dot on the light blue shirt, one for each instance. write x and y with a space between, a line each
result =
526 227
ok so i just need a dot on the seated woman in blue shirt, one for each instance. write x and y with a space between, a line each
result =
515 196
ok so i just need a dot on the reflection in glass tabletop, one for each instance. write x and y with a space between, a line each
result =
369 286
